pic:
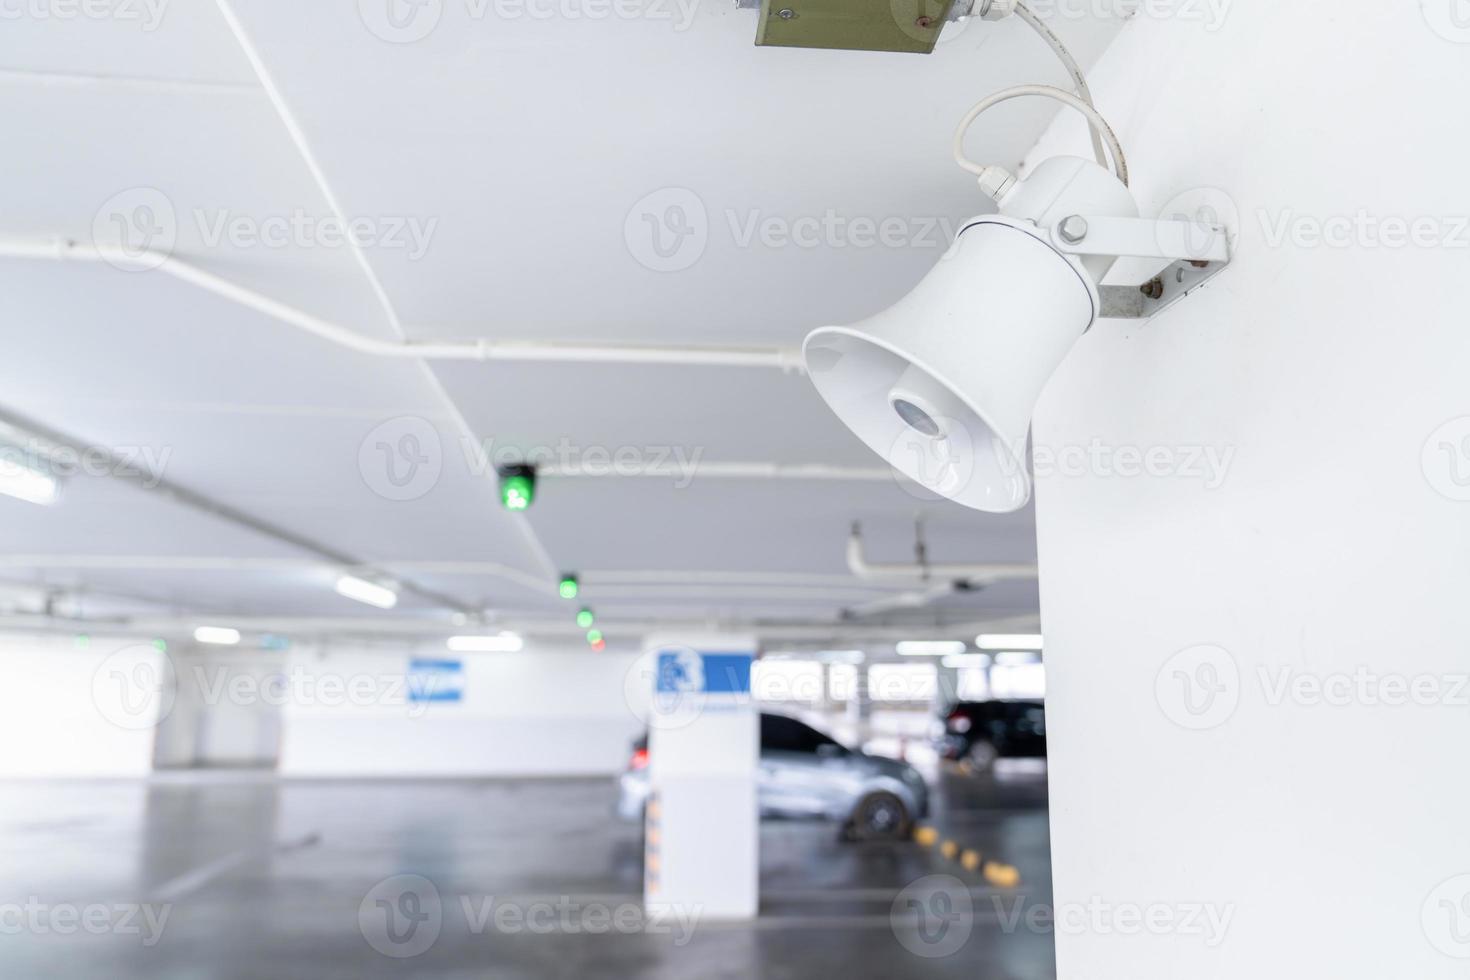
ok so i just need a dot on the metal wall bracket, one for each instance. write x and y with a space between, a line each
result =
1200 252
1141 238
1159 293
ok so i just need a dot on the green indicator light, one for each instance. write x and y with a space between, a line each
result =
585 619
161 646
517 492
569 587
81 641
594 637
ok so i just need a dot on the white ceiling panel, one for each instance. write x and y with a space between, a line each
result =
709 414
776 525
532 141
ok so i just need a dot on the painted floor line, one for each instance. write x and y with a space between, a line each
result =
782 922
196 878
861 894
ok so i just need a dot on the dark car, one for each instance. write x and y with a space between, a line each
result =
982 731
804 773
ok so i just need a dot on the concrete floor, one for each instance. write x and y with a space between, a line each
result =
264 878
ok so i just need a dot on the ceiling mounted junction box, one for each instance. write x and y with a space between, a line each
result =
909 26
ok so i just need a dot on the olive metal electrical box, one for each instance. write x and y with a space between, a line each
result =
910 26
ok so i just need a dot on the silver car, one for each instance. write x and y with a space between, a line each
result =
804 773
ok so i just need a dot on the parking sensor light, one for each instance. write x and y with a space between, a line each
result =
929 648
504 642
585 619
220 636
371 593
569 587
24 482
517 486
1008 641
943 384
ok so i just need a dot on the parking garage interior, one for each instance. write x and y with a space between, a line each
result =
653 489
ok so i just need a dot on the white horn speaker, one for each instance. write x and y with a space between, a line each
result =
943 383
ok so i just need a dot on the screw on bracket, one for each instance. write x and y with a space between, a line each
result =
1073 229
1154 288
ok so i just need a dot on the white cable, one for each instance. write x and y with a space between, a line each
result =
1099 124
1069 62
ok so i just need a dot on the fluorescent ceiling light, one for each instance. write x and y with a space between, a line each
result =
368 592
1016 658
822 656
962 660
27 483
779 655
930 648
500 643
1008 641
221 636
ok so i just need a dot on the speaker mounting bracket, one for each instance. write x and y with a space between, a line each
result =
1195 251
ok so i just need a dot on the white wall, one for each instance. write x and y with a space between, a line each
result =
541 712
118 706
71 711
1327 547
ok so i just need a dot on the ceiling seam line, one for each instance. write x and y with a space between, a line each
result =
304 151
313 166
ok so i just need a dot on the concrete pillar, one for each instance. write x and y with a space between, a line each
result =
860 705
947 690
702 822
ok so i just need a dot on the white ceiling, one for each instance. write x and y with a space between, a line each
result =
527 145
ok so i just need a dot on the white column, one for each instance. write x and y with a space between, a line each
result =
1257 639
860 705
702 825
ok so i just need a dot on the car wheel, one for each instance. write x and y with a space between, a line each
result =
880 816
982 756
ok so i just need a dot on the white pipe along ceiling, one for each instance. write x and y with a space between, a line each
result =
924 571
483 349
